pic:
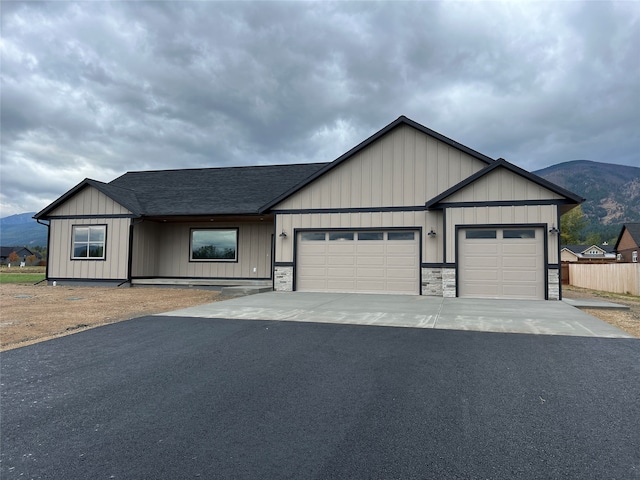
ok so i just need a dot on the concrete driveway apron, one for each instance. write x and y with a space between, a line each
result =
485 315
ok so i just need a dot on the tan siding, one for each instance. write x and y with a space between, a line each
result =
502 215
404 168
90 201
254 250
117 250
145 250
431 247
501 184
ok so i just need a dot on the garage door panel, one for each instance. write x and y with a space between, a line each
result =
481 275
359 265
370 285
401 262
482 262
501 267
519 249
338 260
369 260
520 262
487 289
340 248
520 276
370 249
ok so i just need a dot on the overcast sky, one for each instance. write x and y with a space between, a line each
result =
96 89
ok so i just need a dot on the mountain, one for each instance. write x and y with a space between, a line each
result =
612 192
22 230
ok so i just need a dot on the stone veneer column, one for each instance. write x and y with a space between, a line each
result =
553 281
432 282
283 279
449 282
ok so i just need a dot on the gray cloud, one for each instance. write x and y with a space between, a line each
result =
94 89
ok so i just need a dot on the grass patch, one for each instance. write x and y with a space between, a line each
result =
21 277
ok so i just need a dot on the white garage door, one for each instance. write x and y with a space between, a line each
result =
358 261
501 263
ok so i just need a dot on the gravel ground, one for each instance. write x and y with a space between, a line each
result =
32 313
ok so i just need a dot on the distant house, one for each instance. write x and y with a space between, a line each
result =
628 244
408 210
23 253
587 253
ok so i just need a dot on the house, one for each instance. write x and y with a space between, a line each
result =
23 254
587 253
628 243
407 211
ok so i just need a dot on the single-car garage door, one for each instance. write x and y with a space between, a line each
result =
358 261
501 263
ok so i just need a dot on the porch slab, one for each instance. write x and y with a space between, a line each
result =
204 282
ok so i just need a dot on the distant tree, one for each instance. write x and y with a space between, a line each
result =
13 257
572 224
31 259
593 239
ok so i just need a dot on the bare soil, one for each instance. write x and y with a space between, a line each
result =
33 313
627 320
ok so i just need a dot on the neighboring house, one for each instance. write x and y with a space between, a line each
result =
628 244
405 211
23 254
587 253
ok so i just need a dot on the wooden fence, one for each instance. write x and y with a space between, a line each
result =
610 277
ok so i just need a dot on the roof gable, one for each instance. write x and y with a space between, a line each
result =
454 194
633 230
400 121
123 197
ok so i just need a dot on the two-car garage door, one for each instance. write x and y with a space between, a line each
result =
358 261
501 263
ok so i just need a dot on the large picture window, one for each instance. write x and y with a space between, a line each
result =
89 242
218 245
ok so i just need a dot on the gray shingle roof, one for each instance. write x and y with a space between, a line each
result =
210 191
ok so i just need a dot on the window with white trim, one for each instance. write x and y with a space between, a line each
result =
634 256
88 242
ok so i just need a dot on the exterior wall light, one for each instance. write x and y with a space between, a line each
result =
432 233
283 234
553 230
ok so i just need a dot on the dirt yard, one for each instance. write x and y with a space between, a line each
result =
627 320
32 313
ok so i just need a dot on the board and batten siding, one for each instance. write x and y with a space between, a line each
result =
487 215
502 184
406 167
168 246
113 267
90 201
431 247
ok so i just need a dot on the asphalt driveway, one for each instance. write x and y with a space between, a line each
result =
181 397
482 315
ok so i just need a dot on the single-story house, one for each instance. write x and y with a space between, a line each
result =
587 253
23 254
628 243
406 211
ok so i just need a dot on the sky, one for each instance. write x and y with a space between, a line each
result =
95 89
